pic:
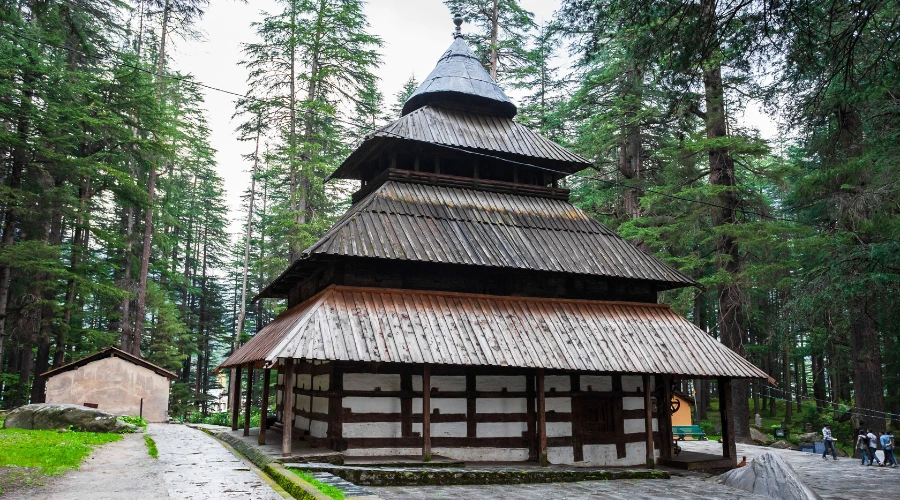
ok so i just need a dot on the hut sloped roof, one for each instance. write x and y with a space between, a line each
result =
467 130
111 352
459 77
426 223
404 326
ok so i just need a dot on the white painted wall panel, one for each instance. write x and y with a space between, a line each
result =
371 429
449 383
304 381
633 425
632 383
632 403
562 405
319 405
600 454
443 429
500 382
318 429
501 405
321 382
596 383
303 402
483 454
372 405
369 381
560 455
558 382
559 429
500 429
455 405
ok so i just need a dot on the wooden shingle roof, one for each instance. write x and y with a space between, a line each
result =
425 223
459 77
467 130
404 326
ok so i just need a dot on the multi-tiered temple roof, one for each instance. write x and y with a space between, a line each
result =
458 216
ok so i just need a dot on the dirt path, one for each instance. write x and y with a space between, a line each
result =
191 465
120 470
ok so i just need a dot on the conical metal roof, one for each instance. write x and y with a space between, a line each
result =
460 78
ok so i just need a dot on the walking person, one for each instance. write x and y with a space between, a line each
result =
829 442
862 444
887 444
873 446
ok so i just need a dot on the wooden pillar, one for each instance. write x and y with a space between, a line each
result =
236 393
726 409
531 415
426 413
264 405
249 399
664 415
648 422
577 403
287 413
542 418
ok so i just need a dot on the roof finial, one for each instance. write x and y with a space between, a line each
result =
457 20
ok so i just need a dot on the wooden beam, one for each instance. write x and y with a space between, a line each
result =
287 413
648 422
542 418
664 415
249 399
531 417
726 409
264 405
236 393
426 413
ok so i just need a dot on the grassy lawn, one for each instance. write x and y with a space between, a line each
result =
26 456
327 489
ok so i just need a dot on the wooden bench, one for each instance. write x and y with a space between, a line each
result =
682 431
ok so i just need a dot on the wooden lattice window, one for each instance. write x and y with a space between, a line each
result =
598 416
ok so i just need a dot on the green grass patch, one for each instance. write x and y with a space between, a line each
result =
326 489
151 446
138 421
51 451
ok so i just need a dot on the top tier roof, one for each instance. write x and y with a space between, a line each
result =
460 78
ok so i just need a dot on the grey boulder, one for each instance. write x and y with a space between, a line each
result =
45 416
770 476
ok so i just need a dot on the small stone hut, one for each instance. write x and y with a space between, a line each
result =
115 381
462 306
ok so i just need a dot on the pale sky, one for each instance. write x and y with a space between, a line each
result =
415 34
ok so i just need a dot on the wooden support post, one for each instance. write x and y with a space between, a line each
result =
726 409
236 393
287 414
542 418
249 399
426 413
648 422
264 405
531 415
664 416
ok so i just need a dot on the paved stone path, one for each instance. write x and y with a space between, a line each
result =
191 465
842 479
194 465
677 488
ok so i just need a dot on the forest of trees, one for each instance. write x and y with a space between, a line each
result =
115 229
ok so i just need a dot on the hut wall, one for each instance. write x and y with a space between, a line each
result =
478 413
114 385
312 383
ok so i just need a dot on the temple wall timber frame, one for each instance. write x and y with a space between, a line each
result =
477 413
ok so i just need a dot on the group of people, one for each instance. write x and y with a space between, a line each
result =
867 444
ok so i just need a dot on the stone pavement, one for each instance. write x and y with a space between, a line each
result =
843 479
677 488
194 465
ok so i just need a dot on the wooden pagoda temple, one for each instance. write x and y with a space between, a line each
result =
463 307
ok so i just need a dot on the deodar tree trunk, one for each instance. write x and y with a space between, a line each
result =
721 176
